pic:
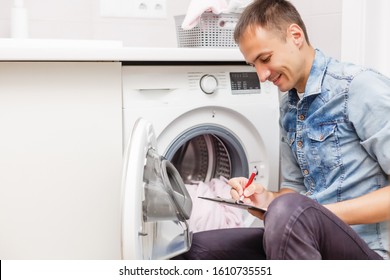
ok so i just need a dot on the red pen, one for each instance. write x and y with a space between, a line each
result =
250 181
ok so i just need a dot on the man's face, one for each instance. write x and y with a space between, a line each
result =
276 60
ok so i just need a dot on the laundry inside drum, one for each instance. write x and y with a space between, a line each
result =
206 157
203 158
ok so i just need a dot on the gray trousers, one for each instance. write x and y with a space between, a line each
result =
295 227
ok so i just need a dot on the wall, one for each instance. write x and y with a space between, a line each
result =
323 22
80 19
366 33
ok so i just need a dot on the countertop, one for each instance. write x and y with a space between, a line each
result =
95 50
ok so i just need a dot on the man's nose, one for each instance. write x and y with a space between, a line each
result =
263 73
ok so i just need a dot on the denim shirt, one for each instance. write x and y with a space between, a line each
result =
335 141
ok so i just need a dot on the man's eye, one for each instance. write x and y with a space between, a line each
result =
265 60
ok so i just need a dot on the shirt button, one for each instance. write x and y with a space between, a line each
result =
300 144
305 171
301 117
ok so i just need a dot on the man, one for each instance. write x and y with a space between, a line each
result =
334 198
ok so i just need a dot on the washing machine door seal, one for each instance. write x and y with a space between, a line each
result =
155 201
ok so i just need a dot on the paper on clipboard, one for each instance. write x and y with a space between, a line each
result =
234 203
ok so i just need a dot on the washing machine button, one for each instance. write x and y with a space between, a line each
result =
208 84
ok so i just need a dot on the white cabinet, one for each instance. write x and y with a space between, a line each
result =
60 160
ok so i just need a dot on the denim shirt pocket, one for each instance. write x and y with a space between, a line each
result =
324 146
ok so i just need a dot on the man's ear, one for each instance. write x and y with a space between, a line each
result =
296 34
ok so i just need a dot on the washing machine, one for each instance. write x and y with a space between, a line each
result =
199 121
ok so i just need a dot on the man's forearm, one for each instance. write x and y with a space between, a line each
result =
370 208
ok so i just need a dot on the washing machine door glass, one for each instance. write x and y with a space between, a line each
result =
207 151
166 197
155 201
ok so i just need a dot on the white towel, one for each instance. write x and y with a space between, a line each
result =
237 6
207 215
198 7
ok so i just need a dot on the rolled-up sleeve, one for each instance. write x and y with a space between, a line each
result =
369 111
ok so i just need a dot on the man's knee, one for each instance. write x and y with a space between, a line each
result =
279 217
281 210
287 204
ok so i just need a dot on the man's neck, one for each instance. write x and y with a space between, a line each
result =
309 55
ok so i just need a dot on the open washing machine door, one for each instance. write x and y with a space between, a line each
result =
155 202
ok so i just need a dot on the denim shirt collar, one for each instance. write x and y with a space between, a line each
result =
314 82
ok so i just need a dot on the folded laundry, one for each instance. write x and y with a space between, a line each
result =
198 7
238 6
206 215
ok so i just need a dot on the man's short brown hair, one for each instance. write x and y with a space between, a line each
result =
272 15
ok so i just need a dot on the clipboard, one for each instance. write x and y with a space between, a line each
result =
233 203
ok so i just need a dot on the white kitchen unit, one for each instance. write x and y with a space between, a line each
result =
60 160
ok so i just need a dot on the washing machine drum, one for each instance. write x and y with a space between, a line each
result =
155 202
206 152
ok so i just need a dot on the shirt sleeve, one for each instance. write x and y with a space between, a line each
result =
291 175
369 111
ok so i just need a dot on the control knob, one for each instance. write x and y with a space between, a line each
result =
208 83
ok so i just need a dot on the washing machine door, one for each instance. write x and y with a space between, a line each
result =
155 202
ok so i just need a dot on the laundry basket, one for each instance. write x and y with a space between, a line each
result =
212 31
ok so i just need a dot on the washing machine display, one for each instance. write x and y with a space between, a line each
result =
210 121
244 83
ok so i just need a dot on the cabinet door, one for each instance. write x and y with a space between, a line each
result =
60 160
